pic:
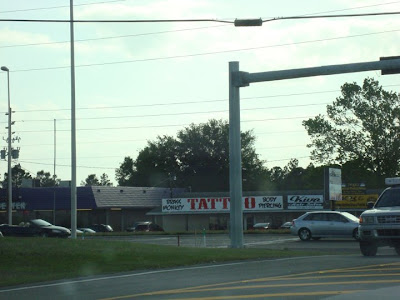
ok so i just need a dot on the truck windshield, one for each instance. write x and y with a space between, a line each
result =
389 198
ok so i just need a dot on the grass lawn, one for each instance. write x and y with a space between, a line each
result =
27 260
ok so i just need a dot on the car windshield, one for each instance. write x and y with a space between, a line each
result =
40 222
389 198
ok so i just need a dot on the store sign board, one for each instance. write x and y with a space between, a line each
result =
305 202
221 204
357 201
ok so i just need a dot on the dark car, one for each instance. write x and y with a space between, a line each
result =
36 227
101 228
144 227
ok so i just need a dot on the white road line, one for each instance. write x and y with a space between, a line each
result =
146 273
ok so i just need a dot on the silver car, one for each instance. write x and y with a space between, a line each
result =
318 224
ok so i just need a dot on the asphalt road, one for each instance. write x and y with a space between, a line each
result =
341 274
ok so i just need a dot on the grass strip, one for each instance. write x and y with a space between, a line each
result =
29 260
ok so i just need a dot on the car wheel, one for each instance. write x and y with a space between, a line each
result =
368 248
356 235
304 234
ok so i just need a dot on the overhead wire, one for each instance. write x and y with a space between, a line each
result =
203 53
163 32
175 114
57 7
155 126
185 102
115 37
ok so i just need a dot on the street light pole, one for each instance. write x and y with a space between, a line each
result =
73 128
9 149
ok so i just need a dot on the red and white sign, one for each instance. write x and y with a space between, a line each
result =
221 204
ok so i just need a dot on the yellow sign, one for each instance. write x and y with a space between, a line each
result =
357 201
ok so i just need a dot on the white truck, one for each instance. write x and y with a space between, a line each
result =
380 224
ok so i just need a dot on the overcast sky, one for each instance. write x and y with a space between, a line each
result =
136 81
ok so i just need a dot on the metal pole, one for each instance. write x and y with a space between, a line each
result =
73 128
9 161
5 69
54 176
235 161
244 78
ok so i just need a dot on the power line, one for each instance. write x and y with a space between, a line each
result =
160 32
116 21
155 126
114 37
186 102
333 16
352 8
197 20
56 7
63 165
204 53
176 114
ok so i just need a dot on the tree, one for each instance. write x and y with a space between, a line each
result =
361 125
198 157
92 180
46 180
17 174
124 174
104 181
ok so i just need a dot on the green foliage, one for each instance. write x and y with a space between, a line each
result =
92 180
361 126
293 177
17 174
197 158
26 260
46 180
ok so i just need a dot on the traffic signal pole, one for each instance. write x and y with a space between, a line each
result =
238 79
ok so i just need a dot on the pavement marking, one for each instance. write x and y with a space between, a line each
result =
272 242
324 293
227 286
144 273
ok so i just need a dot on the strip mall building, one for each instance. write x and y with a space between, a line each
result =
120 207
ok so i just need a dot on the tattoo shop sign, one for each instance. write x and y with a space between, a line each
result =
305 202
221 204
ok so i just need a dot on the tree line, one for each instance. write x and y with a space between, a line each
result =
359 134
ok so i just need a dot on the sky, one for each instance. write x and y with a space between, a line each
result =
137 81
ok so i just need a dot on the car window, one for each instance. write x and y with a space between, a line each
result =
316 217
336 218
389 198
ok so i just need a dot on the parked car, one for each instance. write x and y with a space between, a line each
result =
101 228
36 227
260 226
319 224
286 225
144 227
86 230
